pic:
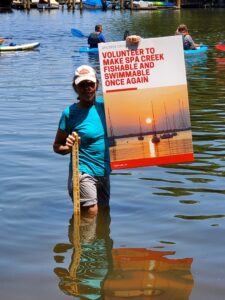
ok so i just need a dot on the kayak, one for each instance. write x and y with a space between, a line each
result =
19 47
87 49
199 51
220 47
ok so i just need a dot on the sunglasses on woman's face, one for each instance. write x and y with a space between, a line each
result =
86 83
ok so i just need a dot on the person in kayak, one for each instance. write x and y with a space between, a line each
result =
86 118
188 42
96 37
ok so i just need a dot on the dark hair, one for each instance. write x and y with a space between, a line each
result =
125 35
182 27
98 27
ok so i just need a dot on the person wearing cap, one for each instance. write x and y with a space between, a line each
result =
96 37
86 118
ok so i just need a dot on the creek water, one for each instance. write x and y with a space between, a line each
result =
163 236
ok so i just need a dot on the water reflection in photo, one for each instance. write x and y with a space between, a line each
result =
96 270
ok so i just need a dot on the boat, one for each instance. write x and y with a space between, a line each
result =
45 4
220 47
19 4
167 133
97 4
34 3
163 4
145 4
140 137
199 51
155 139
111 136
87 49
20 47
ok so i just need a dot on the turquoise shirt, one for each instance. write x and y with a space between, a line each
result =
90 125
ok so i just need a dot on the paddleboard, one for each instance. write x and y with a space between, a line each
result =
19 47
200 50
87 49
220 47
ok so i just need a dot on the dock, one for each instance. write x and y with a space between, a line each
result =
80 4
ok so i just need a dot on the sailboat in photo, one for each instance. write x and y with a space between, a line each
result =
111 137
166 134
140 137
155 138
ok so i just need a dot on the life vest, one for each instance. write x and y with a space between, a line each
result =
93 40
186 42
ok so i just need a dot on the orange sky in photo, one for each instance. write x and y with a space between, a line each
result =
126 107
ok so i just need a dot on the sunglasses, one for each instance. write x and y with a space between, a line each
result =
86 83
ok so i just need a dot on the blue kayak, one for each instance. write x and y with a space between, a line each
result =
87 49
199 51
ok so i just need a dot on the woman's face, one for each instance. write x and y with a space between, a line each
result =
86 90
183 31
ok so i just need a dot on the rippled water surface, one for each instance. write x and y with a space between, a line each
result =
164 235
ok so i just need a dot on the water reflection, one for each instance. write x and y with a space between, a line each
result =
138 273
198 60
89 264
96 270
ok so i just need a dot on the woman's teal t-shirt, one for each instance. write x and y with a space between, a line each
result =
90 125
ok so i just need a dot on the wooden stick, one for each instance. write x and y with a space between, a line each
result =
75 258
76 181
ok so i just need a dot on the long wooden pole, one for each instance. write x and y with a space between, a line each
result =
75 259
76 181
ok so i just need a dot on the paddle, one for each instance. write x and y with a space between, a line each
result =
220 47
77 33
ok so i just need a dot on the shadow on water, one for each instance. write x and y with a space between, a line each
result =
96 270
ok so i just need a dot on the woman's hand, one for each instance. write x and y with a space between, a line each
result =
63 142
133 39
71 139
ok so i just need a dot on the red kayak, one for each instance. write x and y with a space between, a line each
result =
220 47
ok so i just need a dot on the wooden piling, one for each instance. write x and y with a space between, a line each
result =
131 4
24 4
81 4
68 4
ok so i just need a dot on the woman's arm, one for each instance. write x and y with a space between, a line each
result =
63 142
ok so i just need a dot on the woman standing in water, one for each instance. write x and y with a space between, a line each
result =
87 119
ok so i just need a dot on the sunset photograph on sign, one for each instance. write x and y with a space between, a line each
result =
150 127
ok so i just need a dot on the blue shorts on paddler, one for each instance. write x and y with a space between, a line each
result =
93 189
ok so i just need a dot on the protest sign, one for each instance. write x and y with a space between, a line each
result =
146 102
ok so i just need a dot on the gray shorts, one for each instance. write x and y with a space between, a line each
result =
93 189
